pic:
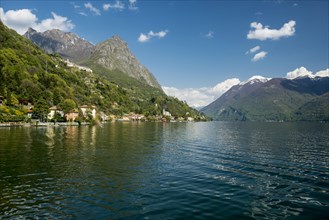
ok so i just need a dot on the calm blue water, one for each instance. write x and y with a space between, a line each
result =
211 170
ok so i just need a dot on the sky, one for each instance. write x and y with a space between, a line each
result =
196 49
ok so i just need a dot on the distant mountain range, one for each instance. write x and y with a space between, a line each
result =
112 54
278 99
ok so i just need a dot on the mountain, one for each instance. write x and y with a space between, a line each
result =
261 99
30 75
68 45
112 54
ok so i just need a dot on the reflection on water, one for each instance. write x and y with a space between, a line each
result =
166 170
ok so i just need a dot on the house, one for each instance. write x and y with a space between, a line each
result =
165 113
53 111
88 110
70 64
72 115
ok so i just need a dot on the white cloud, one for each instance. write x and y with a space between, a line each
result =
132 5
82 13
198 97
146 37
20 20
57 22
259 56
210 34
118 5
92 8
303 72
260 32
253 50
143 38
323 73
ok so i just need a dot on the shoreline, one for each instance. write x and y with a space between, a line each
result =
42 124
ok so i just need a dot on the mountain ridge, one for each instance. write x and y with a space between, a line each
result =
278 99
67 44
112 54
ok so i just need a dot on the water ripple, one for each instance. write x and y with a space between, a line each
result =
166 171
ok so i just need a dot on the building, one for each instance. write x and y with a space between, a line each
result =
88 110
72 115
165 113
53 111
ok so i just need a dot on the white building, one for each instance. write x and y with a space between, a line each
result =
88 110
53 111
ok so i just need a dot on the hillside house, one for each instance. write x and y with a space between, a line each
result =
53 111
72 115
165 113
88 110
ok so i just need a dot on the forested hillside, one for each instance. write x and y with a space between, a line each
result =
30 75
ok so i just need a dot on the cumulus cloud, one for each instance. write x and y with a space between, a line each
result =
20 20
132 5
259 56
93 9
118 5
57 22
198 97
323 73
146 37
303 72
260 32
253 50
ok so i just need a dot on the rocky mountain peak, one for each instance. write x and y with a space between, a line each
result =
255 79
67 44
114 54
31 30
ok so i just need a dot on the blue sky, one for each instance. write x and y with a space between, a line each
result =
195 44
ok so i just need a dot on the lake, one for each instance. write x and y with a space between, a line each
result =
204 170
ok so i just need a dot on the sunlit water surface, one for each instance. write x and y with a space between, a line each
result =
211 170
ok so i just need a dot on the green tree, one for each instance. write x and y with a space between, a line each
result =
67 105
41 109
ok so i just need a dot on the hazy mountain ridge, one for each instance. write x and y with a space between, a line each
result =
277 99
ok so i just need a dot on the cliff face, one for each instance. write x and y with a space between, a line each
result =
68 45
114 54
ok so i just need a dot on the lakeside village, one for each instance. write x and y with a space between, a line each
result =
82 115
